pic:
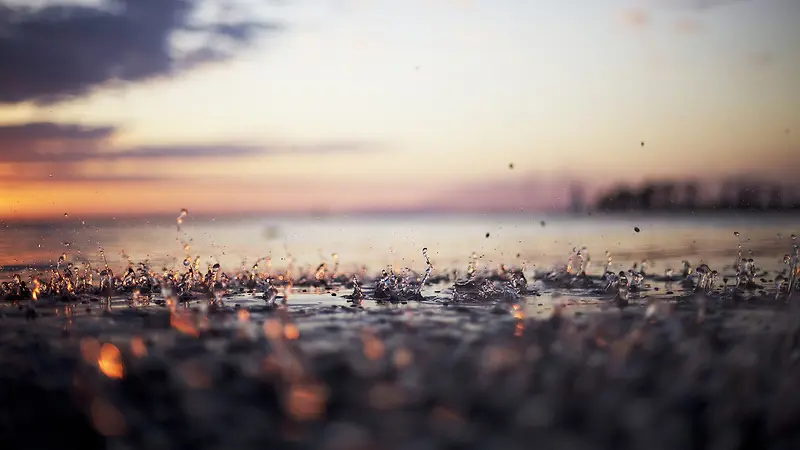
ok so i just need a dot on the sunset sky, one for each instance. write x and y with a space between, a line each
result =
138 106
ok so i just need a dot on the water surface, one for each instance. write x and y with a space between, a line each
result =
375 242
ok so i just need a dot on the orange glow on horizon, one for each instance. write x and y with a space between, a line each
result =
344 110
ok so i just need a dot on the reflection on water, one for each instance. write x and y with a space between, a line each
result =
377 242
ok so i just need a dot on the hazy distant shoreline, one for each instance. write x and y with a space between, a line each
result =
164 219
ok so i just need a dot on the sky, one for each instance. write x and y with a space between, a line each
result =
227 106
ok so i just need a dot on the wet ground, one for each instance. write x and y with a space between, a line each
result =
560 367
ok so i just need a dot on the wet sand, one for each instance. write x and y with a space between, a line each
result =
562 369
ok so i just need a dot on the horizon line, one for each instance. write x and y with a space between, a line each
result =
377 213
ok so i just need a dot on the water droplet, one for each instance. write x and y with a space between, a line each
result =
511 166
542 223
487 235
736 233
636 229
642 143
794 238
66 215
215 267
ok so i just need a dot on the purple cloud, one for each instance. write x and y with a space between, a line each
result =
69 144
62 51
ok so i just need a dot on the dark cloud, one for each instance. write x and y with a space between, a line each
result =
46 142
62 51
179 152
705 4
68 176
47 130
695 5
232 150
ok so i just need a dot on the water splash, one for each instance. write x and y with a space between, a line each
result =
192 284
428 269
635 277
270 292
321 273
472 267
517 282
181 216
358 294
335 271
793 260
781 285
643 266
401 288
611 279
609 261
737 265
705 278
37 288
578 262
623 288
687 269
749 272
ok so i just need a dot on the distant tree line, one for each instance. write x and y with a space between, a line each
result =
671 196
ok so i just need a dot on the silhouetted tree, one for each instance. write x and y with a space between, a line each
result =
690 193
646 197
747 198
737 194
665 196
626 199
775 198
726 195
619 199
576 198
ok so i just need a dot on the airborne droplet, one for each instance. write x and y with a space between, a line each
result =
179 220
736 233
636 229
